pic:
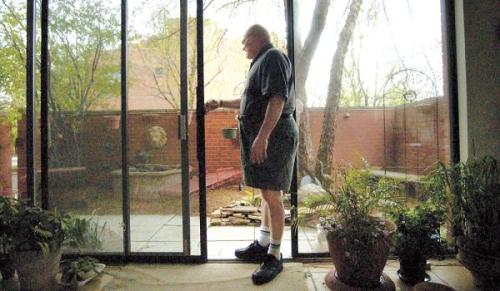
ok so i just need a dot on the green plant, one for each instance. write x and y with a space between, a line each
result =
26 228
34 229
252 199
77 270
349 210
418 233
82 233
6 211
473 187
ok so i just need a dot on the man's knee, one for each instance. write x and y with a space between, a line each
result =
271 197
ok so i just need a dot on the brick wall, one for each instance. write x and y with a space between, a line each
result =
220 152
360 134
5 159
419 135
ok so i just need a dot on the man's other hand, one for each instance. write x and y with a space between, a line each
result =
211 105
258 153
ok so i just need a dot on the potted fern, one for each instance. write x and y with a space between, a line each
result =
417 239
34 238
474 189
358 238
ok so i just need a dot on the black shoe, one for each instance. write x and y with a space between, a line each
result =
252 253
268 270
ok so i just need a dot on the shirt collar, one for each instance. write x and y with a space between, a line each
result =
261 52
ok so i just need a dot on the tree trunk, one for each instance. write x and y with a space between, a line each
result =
304 55
324 165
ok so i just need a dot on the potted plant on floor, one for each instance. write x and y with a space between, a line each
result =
77 273
7 269
358 238
34 238
474 188
417 239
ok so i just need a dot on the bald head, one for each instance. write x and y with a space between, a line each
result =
259 32
256 38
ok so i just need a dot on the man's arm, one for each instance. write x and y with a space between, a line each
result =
233 103
273 114
214 104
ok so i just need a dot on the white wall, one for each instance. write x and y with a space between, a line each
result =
478 63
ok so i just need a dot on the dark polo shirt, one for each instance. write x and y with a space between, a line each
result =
269 75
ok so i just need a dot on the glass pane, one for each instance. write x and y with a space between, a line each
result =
155 178
84 104
192 132
390 109
225 72
13 160
12 99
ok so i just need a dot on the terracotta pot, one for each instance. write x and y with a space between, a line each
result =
364 271
412 270
36 271
484 268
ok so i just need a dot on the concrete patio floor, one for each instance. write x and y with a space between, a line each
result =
163 233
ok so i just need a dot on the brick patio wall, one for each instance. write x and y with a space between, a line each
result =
419 135
360 134
5 159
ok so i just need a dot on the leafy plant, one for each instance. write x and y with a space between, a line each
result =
82 233
418 234
26 228
7 209
77 270
473 187
34 229
252 199
349 210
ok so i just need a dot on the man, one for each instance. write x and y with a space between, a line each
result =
269 139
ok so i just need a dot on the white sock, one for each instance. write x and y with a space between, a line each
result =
264 236
274 248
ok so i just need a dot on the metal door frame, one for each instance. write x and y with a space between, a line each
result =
126 255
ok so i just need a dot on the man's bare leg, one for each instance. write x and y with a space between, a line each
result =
276 209
265 231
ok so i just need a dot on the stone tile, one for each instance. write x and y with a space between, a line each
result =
319 281
229 233
310 283
173 233
144 233
213 250
177 220
457 277
167 247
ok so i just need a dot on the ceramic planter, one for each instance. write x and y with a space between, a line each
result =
230 133
363 271
412 270
35 270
